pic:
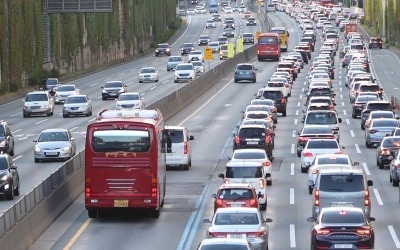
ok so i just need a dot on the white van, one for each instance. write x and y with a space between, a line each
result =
181 153
270 7
248 172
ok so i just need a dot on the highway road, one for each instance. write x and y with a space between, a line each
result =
211 119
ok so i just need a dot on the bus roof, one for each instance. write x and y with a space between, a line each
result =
270 34
135 115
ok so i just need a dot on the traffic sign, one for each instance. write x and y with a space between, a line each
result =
231 50
239 45
208 54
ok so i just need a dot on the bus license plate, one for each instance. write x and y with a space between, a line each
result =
341 246
120 203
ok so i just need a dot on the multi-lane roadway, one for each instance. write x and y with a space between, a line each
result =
211 119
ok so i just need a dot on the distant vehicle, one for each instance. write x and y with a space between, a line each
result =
63 91
139 137
130 100
164 48
77 105
213 6
113 89
181 150
184 72
268 47
38 103
148 74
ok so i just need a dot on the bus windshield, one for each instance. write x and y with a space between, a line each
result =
268 40
121 141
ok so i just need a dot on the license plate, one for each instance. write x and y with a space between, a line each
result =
51 153
113 93
252 142
340 246
236 204
235 236
341 205
120 203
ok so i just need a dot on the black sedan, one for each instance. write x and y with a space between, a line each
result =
9 178
228 32
386 150
342 228
359 104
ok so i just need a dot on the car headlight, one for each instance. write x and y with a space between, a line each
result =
156 50
104 91
66 148
4 178
38 149
121 90
2 143
167 50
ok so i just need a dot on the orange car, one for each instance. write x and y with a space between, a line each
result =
235 195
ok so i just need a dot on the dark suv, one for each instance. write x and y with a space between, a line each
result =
375 42
245 72
112 90
9 178
253 136
163 49
186 48
371 106
278 96
6 138
248 38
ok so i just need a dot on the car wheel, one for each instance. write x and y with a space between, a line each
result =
310 189
92 213
10 195
303 170
157 80
269 182
380 164
263 207
155 213
367 144
186 167
17 189
395 183
235 80
48 114
175 81
284 113
254 80
11 151
103 98
90 113
140 81
299 154
36 160
353 115
65 116
25 115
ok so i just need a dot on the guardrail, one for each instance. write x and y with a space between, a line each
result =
29 217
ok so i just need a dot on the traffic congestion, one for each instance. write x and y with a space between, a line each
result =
270 157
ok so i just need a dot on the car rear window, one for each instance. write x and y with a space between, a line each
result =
333 160
385 123
251 132
369 88
272 95
391 142
322 144
341 183
245 67
176 135
236 219
321 91
311 130
244 172
379 106
249 155
276 84
235 193
340 218
382 115
224 246
321 118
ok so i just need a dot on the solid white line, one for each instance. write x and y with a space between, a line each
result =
16 131
73 128
291 196
16 158
366 168
352 133
292 149
357 148
91 85
291 168
394 236
15 114
292 236
153 87
378 197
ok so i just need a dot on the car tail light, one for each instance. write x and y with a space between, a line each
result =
366 198
338 152
372 131
273 110
226 181
316 198
256 234
314 171
267 164
237 139
185 148
303 139
253 202
283 100
261 183
363 231
267 139
216 235
386 152
154 190
307 154
398 166
88 190
322 231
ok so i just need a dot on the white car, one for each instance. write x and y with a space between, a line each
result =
184 72
200 10
63 91
325 161
130 100
214 46
210 24
227 10
254 154
198 67
190 12
148 74
316 147
196 55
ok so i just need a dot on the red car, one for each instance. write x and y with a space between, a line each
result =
235 195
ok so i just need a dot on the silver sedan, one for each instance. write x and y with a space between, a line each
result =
54 144
77 105
378 129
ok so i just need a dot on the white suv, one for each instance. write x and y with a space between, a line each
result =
180 153
38 103
184 72
196 55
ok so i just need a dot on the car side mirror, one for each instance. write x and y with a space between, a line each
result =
302 120
370 183
191 137
221 175
35 140
72 138
371 219
214 196
340 120
206 221
356 163
267 175
268 220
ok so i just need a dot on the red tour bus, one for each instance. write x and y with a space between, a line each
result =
125 163
268 46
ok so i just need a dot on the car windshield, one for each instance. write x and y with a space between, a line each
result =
164 46
174 59
3 163
341 183
129 97
244 172
184 67
2 132
113 85
148 70
76 99
53 136
236 219
195 52
51 82
347 217
66 88
321 118
36 97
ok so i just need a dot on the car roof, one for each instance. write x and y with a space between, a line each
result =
55 130
341 171
236 185
244 163
237 210
252 126
175 127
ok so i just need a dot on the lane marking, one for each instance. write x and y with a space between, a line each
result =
367 172
291 168
295 121
291 199
16 158
17 114
347 121
292 149
78 234
357 148
41 121
378 197
352 133
394 236
344 112
292 230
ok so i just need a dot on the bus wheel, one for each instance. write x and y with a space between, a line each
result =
92 213
155 213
